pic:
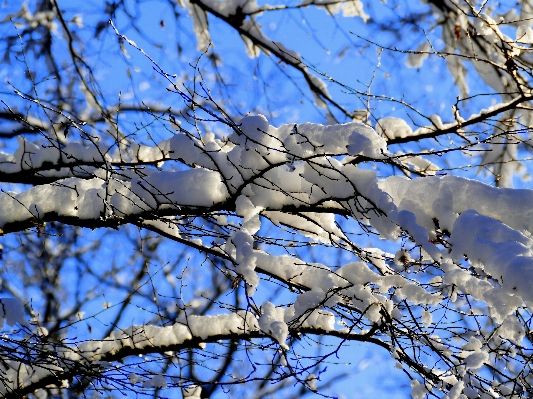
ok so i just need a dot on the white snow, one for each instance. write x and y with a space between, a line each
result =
261 171
524 34
272 322
156 381
192 392
416 59
12 312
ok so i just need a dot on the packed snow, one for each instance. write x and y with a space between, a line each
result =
299 176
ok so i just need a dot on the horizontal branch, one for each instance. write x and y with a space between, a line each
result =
50 173
455 128
86 366
138 219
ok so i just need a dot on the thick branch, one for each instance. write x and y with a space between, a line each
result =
137 219
81 369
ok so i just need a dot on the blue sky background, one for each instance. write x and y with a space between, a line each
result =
333 46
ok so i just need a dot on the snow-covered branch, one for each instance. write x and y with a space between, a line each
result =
170 225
